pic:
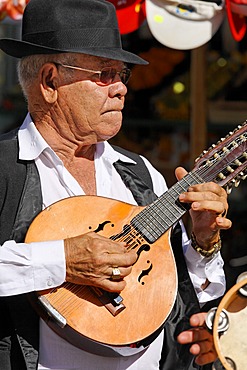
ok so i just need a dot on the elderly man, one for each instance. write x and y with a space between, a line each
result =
73 72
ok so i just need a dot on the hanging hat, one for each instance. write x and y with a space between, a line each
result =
130 13
185 24
73 26
13 9
236 14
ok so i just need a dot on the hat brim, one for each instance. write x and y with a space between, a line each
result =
178 33
20 49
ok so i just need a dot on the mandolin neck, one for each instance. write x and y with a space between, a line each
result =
164 212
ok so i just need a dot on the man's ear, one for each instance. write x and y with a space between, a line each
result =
49 82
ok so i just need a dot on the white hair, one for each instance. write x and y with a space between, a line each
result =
28 67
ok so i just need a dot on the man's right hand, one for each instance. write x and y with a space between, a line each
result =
91 258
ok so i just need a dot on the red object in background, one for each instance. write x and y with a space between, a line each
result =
12 8
7 105
236 13
130 13
3 12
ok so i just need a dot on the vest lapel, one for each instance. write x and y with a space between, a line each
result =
30 204
142 194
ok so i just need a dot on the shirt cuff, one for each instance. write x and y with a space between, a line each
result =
201 268
49 266
31 267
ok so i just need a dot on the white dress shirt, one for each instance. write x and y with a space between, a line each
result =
37 266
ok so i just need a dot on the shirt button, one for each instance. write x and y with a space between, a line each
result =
50 282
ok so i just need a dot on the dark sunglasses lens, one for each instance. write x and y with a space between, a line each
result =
107 75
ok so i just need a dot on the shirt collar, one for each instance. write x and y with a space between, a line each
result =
31 143
110 154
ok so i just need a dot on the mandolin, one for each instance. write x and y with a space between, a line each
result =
111 324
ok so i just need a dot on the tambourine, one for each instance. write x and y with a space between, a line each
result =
228 323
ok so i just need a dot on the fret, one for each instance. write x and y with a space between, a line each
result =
159 216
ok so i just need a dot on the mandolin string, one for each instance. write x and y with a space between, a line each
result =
203 170
123 236
66 302
239 141
62 293
73 304
214 167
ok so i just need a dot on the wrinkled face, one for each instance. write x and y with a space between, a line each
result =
92 108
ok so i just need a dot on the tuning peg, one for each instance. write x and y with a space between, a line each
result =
221 176
221 140
237 162
228 189
201 155
242 176
236 183
230 169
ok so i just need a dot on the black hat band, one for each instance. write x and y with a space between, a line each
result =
73 38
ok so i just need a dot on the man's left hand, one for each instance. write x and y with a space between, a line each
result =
209 207
201 340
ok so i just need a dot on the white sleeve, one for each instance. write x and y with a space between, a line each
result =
31 267
199 268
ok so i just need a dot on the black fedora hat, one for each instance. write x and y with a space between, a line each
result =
73 26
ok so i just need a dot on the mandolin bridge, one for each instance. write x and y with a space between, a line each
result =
112 301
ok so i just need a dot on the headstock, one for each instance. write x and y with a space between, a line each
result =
225 162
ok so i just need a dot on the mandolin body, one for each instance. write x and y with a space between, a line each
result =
151 287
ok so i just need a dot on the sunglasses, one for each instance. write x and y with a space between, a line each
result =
106 75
